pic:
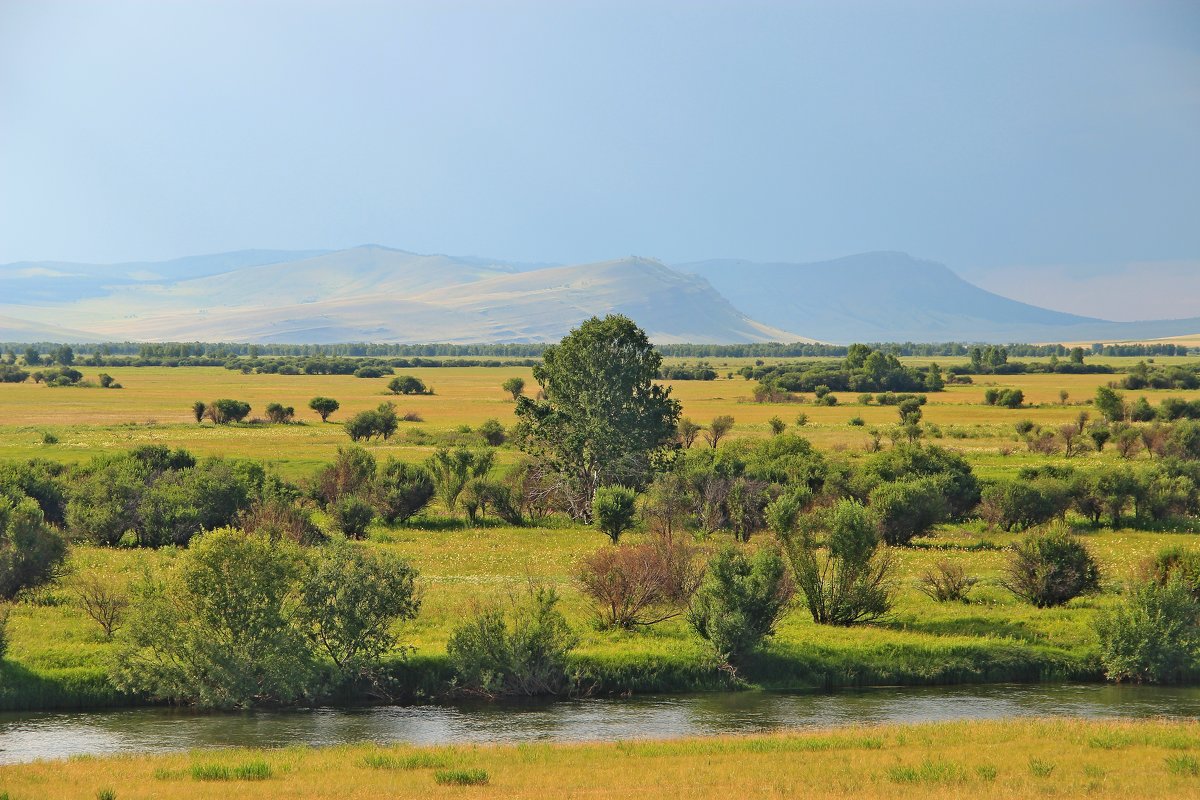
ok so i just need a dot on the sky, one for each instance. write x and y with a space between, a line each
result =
1008 140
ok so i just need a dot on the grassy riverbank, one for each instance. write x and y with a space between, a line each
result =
1011 759
57 657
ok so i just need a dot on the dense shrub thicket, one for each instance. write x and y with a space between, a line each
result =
153 496
520 649
241 620
863 370
1153 635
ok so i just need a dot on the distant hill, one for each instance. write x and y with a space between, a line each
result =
893 297
375 293
19 330
36 282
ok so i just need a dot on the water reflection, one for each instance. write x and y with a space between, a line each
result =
25 737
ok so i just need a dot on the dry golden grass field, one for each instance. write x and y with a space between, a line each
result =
1011 760
155 407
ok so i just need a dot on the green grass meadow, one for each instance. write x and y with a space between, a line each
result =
57 657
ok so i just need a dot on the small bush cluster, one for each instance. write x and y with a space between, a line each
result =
407 384
740 601
640 584
1005 398
519 651
366 425
1048 569
240 620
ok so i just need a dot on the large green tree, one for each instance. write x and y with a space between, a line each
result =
603 418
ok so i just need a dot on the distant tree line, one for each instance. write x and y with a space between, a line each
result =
864 369
1152 376
917 349
993 360
218 353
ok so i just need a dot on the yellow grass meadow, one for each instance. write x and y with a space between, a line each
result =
155 407
1009 759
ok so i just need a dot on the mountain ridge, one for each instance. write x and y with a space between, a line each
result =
377 293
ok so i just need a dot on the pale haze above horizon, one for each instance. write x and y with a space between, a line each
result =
1046 151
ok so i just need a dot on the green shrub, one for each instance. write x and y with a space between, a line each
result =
1048 569
461 777
523 652
163 496
44 481
1153 636
851 580
280 414
352 516
1006 398
740 601
1176 563
224 411
904 510
1017 504
614 509
217 631
947 581
492 433
401 490
106 794
31 552
407 384
352 472
351 597
959 486
453 469
281 518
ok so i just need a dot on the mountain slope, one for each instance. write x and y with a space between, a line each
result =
670 306
61 281
374 293
888 296
20 330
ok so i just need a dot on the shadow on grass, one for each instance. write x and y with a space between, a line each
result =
981 627
21 689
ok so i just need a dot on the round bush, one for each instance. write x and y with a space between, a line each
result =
1048 569
1152 637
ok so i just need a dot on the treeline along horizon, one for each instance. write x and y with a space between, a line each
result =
218 353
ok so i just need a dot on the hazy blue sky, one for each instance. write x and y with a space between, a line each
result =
980 134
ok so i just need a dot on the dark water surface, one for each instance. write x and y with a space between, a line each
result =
26 737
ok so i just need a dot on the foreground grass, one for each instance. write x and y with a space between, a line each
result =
1017 759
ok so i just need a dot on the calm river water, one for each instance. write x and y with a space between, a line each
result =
26 737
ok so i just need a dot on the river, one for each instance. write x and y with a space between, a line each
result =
26 737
